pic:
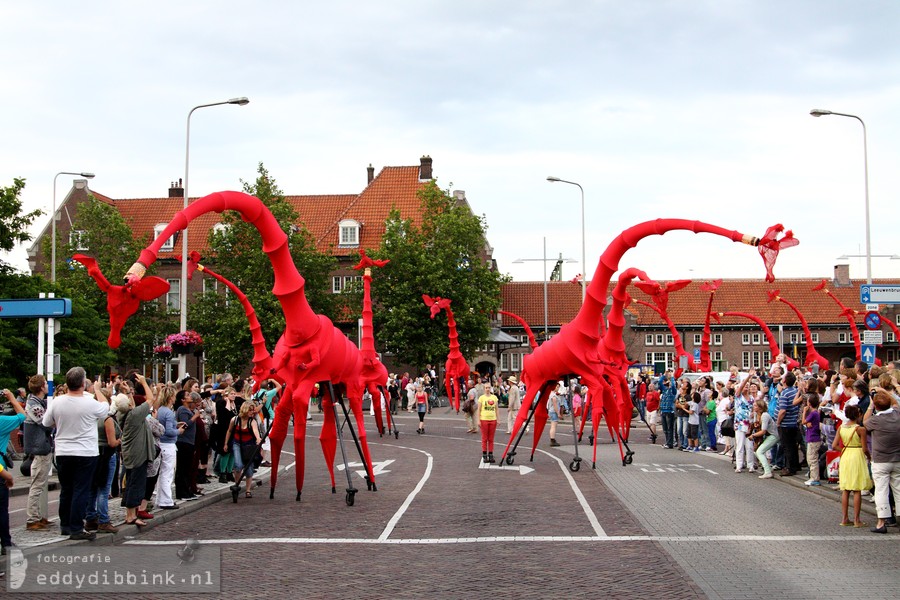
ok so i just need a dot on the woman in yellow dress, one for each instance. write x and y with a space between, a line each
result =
854 469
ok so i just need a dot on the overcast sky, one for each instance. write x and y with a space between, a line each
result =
688 109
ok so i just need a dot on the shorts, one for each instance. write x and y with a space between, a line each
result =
653 417
553 416
693 431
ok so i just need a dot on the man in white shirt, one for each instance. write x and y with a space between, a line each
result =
75 415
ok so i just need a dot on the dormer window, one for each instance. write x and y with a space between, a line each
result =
349 233
169 244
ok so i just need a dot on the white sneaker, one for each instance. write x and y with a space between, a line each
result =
765 476
808 482
738 470
751 471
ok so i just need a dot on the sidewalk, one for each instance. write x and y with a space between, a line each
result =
22 483
212 493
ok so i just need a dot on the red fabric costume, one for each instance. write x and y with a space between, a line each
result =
456 370
811 355
577 348
770 338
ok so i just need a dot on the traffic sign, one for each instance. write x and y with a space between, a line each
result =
873 337
879 294
696 355
868 355
873 320
35 308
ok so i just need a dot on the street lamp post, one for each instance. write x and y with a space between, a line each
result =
182 296
818 112
53 221
544 260
583 258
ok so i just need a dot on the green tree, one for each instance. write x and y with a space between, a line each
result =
235 252
109 239
13 223
445 256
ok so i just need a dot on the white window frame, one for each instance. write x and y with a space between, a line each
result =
337 284
670 341
844 337
756 339
77 239
698 339
516 362
766 358
173 296
890 336
794 338
815 338
348 233
210 285
757 355
169 244
660 338
745 339
745 360
648 339
717 339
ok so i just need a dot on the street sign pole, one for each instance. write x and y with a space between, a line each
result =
51 335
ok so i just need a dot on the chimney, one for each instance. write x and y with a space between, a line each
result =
842 275
176 190
425 169
370 173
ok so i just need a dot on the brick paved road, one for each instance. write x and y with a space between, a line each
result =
668 526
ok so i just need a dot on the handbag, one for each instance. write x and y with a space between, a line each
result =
727 427
25 467
9 459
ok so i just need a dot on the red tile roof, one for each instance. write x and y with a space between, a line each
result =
688 306
394 187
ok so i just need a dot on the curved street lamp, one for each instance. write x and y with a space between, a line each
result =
182 296
553 179
818 112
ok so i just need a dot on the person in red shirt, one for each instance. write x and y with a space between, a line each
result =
652 399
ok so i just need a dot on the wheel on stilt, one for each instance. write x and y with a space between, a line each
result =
350 498
575 465
629 457
235 490
397 435
510 459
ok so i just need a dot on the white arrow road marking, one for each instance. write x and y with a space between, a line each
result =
522 469
378 468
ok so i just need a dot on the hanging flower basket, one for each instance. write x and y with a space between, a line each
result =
162 351
184 342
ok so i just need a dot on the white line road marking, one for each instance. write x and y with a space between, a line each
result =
378 468
26 508
399 514
581 499
522 469
672 468
686 539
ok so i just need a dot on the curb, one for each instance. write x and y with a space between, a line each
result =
130 532
23 490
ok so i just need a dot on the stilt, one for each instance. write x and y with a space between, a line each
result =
351 491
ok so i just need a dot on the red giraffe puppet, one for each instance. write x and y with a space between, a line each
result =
770 338
311 349
374 373
849 313
576 348
263 367
456 370
811 355
122 301
660 295
705 361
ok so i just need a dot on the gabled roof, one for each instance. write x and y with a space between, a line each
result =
687 307
393 187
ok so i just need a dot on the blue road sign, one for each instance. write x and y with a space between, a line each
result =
868 354
35 308
879 294
696 355
873 320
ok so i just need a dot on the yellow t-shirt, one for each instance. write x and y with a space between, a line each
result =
488 405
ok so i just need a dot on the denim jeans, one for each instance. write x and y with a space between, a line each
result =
711 434
704 433
98 504
668 424
76 474
681 426
5 539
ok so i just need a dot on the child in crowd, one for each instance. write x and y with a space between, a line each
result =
693 410
811 420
